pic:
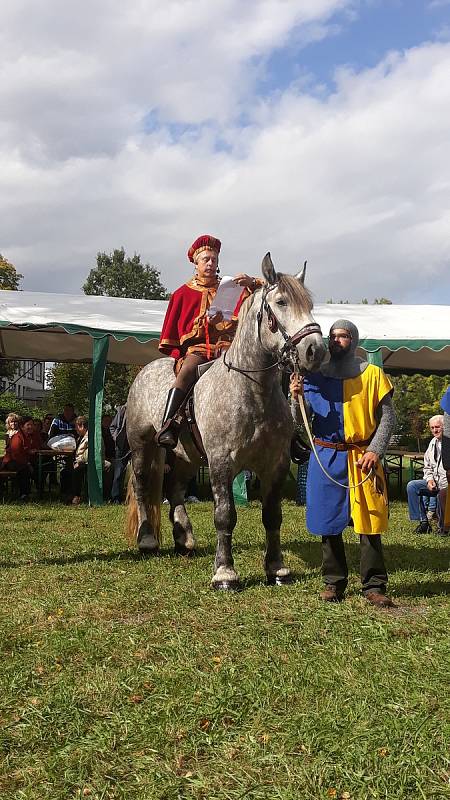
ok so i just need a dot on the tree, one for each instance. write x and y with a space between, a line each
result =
416 399
119 276
70 383
115 275
9 277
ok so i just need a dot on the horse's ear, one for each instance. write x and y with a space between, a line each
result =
301 275
268 270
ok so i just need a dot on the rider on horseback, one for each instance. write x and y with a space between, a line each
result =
189 335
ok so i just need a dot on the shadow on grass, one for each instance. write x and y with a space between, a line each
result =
399 558
423 589
119 555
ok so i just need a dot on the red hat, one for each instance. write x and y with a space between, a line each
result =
203 243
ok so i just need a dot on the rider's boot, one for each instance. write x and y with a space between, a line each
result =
168 435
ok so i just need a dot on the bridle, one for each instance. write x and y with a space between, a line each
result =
288 355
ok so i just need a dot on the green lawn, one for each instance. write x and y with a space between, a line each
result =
129 678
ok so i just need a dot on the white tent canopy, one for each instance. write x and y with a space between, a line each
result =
33 324
59 327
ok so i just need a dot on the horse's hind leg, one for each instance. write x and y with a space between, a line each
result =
148 462
183 537
276 572
225 577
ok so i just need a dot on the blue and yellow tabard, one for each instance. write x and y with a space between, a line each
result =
344 410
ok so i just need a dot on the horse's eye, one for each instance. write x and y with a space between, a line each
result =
281 302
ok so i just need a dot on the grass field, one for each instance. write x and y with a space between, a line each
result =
129 678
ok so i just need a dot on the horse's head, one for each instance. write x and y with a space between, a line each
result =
286 327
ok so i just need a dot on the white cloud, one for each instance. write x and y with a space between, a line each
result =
357 182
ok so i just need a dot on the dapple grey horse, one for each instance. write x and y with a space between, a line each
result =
244 420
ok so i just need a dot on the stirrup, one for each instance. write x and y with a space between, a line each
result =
168 435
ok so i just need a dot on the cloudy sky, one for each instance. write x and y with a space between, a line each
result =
315 129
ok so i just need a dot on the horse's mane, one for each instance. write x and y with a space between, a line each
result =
297 297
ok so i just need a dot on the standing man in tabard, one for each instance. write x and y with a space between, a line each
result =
353 419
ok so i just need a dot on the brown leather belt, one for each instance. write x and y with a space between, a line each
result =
341 445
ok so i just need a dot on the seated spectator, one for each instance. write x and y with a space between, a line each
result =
18 456
64 423
81 459
46 425
434 480
11 425
48 465
445 405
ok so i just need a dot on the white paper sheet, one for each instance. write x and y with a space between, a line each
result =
226 299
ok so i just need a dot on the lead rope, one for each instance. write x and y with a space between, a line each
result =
308 431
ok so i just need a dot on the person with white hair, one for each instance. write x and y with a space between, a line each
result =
433 482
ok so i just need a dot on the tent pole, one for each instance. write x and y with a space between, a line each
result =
375 358
95 461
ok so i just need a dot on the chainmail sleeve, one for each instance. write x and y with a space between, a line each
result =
387 421
297 414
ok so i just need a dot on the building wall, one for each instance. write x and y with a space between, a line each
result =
29 387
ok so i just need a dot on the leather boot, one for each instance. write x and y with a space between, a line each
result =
168 435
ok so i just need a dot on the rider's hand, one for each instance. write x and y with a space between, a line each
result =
244 280
431 485
296 386
216 318
367 461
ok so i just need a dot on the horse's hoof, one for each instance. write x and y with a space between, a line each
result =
182 550
280 580
226 586
148 552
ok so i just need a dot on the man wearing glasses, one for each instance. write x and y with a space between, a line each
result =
350 402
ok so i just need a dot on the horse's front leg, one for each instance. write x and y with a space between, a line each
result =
276 572
225 577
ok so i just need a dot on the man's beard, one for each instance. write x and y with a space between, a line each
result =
339 354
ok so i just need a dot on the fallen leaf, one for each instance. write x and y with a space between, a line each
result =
345 796
383 751
331 792
136 698
205 724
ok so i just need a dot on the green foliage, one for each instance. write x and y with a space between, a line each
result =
10 404
9 277
416 399
8 368
122 678
119 276
71 383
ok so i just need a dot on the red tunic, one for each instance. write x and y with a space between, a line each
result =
186 328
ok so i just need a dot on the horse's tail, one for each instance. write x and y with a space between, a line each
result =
152 501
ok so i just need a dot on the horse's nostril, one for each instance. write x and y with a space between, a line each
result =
310 352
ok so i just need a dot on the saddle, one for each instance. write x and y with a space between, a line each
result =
187 412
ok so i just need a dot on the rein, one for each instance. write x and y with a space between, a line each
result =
274 325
